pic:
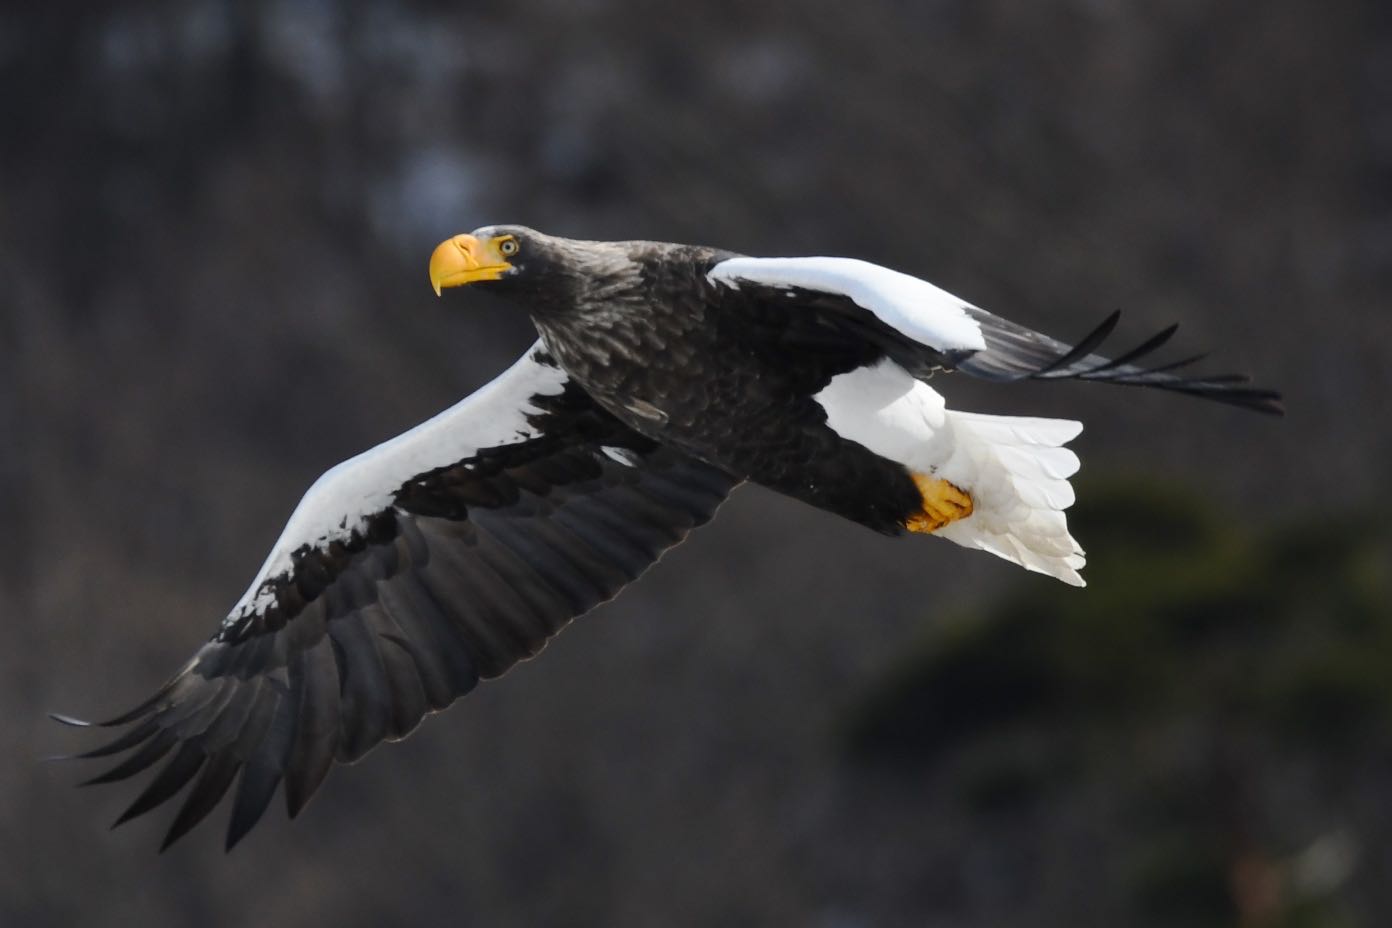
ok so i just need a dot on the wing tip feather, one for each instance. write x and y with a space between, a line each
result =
1022 354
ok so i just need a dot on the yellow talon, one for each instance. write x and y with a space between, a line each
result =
943 504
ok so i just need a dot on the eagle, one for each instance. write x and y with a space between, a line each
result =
663 377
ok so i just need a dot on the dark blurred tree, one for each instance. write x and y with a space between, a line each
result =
1232 680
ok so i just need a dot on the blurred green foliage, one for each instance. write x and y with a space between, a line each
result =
1204 668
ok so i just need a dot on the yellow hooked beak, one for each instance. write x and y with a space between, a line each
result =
464 260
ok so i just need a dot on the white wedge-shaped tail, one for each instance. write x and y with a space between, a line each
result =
1014 469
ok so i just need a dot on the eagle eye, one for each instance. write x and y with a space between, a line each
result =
508 247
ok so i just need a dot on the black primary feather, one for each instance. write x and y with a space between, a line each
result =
1014 352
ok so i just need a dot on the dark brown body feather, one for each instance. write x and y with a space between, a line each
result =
727 376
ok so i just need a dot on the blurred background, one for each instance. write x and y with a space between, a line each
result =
215 218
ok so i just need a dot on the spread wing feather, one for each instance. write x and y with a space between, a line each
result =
405 576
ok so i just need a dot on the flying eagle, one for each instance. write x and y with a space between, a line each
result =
665 376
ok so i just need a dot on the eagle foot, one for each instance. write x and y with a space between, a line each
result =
943 504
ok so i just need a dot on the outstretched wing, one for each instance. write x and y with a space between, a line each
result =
404 576
924 328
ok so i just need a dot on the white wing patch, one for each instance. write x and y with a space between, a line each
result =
925 313
346 495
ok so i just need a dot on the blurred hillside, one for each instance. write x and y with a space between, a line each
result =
214 223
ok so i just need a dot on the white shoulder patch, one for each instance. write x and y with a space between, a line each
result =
925 313
346 495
